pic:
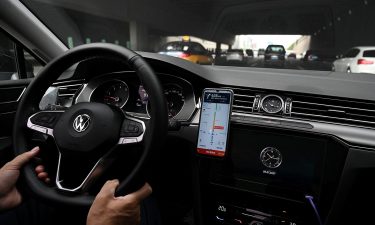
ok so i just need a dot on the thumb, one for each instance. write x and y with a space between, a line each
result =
140 194
22 159
108 189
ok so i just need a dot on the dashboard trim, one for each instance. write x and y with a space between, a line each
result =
93 84
354 136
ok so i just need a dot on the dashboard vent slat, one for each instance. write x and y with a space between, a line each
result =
68 90
336 110
243 100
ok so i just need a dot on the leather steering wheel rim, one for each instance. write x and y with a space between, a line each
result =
29 104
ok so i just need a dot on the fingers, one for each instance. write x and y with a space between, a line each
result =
42 174
39 169
22 159
141 194
44 177
108 189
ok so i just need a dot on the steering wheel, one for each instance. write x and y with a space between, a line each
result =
88 132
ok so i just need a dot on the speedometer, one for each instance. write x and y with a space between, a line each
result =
114 92
175 99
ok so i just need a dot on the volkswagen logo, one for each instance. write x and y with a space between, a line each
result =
81 123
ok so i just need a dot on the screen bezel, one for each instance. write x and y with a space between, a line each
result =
216 90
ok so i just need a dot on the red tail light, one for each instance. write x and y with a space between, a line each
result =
365 62
184 55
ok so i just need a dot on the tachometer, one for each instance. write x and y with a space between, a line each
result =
114 92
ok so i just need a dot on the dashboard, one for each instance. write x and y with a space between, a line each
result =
291 135
124 90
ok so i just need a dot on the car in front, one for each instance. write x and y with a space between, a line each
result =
274 55
235 56
188 50
261 52
356 60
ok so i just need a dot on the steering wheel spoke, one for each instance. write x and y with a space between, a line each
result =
85 174
44 121
132 131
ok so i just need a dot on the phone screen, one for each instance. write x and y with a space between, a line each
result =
214 122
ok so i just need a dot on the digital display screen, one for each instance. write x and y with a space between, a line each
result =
137 103
214 122
279 160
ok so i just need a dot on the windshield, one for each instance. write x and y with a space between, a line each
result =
298 34
275 49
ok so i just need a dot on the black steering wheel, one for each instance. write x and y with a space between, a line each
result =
88 131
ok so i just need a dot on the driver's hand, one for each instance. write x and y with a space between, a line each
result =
110 210
9 195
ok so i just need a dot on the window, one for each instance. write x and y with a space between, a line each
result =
369 53
198 49
32 65
8 68
275 49
15 62
351 53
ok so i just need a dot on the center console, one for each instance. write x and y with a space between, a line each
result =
271 177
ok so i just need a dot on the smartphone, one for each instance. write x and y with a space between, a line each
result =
214 122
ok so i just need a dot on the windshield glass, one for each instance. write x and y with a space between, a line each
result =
298 34
275 49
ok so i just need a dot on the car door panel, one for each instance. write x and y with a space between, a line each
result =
10 95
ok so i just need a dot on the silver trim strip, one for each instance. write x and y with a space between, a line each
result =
84 182
18 99
80 92
244 96
354 135
23 91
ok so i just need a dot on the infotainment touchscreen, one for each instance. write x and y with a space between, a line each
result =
277 159
214 122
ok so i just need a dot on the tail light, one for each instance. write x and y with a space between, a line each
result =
184 55
365 62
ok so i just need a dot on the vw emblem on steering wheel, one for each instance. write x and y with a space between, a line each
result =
81 123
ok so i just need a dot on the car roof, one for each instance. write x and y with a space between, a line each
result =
363 48
235 49
275 46
182 42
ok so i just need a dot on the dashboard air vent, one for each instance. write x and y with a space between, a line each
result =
337 110
66 93
243 100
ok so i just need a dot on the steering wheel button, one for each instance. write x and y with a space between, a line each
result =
129 140
131 127
136 129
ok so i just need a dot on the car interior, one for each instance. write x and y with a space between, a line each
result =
220 144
